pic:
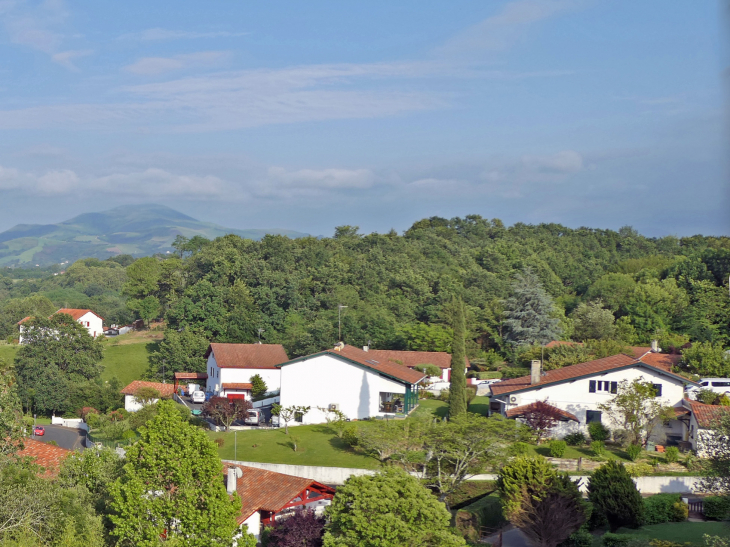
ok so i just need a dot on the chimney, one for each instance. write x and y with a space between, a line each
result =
339 346
655 346
535 370
231 481
365 348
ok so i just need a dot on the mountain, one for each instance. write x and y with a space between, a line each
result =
138 230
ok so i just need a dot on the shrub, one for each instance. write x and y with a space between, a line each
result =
350 435
706 396
634 451
679 511
639 469
598 431
575 439
514 372
489 375
557 448
93 420
724 400
624 540
621 437
425 394
716 507
444 395
613 493
581 538
519 449
667 543
220 442
671 454
658 508
598 448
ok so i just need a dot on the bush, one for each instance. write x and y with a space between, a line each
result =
557 448
425 394
519 449
598 431
639 469
444 395
613 493
658 508
621 437
575 439
598 448
489 375
514 372
580 538
679 512
671 454
716 507
350 435
220 442
634 451
623 540
93 420
706 396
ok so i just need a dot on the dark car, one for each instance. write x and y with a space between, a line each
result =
39 430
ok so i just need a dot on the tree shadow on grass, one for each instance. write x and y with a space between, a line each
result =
479 408
152 347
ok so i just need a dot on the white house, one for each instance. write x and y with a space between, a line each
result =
131 404
93 323
578 390
231 366
699 420
267 496
350 380
412 359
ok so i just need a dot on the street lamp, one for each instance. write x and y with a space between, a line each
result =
340 307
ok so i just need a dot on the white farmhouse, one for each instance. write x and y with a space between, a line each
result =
412 359
93 323
578 390
700 419
231 366
131 404
350 380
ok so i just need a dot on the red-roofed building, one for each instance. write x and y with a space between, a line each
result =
93 323
699 420
236 363
48 456
580 389
412 359
267 496
131 404
350 380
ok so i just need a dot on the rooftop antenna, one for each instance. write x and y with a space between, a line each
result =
260 331
340 307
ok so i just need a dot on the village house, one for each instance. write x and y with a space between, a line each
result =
93 323
131 404
267 496
47 456
231 366
699 420
577 391
350 380
412 359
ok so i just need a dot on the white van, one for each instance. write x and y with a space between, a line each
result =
718 385
254 417
198 397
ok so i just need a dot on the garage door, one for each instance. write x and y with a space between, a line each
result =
236 395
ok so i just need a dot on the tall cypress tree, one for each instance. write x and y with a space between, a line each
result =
457 393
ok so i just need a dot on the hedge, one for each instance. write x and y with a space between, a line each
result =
661 508
716 507
489 375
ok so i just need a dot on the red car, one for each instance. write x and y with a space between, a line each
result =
39 430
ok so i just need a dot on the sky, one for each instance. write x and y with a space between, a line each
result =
311 115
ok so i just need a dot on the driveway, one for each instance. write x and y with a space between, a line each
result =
65 437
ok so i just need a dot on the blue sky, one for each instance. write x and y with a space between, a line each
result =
309 115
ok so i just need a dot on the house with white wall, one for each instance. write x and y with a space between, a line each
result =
700 420
93 323
131 404
577 391
412 359
350 380
231 366
267 496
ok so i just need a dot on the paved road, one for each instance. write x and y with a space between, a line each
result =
511 537
65 437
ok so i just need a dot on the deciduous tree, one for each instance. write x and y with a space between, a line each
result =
302 529
226 411
541 417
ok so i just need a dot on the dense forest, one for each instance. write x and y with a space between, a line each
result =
396 291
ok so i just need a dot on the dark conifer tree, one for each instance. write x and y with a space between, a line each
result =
529 312
457 393
614 494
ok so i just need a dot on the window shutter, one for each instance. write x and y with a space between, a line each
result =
592 386
614 387
658 388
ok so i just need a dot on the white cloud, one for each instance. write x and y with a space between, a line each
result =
567 161
153 66
153 34
64 58
323 178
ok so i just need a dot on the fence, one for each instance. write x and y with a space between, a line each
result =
696 506
95 440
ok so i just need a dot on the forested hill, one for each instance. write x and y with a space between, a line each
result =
137 230
397 288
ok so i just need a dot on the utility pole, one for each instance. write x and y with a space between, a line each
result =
163 370
340 307
235 445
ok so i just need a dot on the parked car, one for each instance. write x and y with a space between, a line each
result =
488 382
198 397
39 430
718 385
254 417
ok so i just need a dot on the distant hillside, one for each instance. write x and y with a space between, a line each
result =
138 230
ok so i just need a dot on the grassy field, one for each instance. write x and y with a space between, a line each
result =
126 361
681 532
7 352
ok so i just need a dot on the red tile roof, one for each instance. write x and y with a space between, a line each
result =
23 320
412 359
235 385
574 371
262 490
664 361
253 356
386 367
637 351
556 343
707 415
46 455
77 314
190 376
519 411
166 390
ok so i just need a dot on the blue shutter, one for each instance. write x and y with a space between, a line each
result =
592 386
614 387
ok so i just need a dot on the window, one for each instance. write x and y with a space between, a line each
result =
705 384
593 416
298 417
657 390
720 384
602 385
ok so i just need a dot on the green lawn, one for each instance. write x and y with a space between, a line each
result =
681 532
575 452
8 351
127 362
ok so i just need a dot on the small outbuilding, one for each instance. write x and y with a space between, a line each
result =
132 404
